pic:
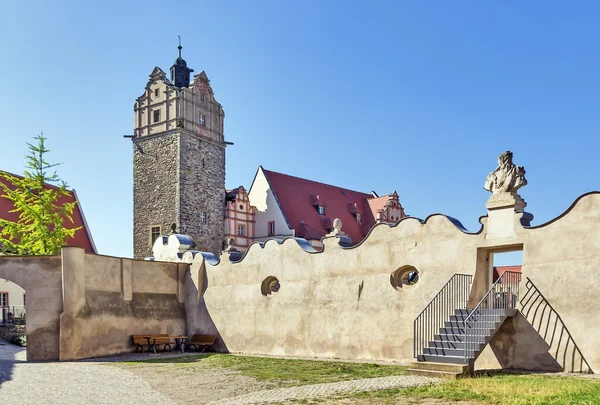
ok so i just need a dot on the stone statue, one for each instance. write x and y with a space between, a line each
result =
504 183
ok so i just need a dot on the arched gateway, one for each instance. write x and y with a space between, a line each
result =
42 280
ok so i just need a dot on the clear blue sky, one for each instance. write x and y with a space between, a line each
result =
418 97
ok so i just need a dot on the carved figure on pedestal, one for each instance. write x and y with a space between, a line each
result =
504 183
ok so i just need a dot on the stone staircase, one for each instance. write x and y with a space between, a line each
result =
444 356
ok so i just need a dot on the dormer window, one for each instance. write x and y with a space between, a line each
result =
321 209
155 92
202 120
358 217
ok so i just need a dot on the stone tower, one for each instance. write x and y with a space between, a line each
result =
178 160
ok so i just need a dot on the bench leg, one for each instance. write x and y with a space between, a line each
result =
139 346
151 345
194 346
165 348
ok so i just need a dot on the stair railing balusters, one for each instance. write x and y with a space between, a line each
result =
453 295
504 294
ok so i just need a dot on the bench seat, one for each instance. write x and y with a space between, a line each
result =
155 339
197 341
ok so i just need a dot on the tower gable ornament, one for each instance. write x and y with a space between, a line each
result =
504 182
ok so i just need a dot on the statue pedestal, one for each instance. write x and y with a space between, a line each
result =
506 200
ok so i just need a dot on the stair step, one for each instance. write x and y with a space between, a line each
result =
441 359
491 323
452 345
460 337
452 331
440 351
449 375
491 311
434 366
433 358
461 318
446 344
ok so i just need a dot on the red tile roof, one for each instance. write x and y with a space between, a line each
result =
499 270
297 198
82 238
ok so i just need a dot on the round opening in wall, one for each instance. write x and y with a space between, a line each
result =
404 276
269 285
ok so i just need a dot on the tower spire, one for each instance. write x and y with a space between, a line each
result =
180 73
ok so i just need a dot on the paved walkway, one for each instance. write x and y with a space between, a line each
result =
325 390
54 383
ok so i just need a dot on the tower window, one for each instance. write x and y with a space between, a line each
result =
203 217
202 120
155 92
321 210
201 96
156 115
241 230
154 234
271 228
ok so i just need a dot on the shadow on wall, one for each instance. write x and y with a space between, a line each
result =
199 320
550 327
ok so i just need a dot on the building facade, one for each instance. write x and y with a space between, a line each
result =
178 160
279 206
179 178
13 296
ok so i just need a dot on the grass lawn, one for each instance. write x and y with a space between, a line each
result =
281 372
502 389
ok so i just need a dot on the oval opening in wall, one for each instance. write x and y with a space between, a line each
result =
405 276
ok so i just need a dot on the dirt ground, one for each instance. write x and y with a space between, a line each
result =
196 385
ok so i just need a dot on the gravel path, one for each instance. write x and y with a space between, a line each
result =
54 383
99 383
325 390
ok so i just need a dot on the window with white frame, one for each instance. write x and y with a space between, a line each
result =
202 120
154 234
321 210
358 217
203 217
3 299
241 230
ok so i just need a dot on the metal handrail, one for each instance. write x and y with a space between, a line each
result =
501 295
453 295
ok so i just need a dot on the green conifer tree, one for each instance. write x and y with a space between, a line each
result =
39 228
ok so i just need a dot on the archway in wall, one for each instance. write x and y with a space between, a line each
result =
32 287
13 314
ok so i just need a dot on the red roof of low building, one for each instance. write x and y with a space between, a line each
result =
298 199
82 238
499 270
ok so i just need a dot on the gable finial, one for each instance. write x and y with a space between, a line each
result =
179 47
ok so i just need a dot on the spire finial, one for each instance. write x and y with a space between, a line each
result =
179 47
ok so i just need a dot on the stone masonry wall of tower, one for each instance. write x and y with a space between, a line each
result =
202 190
155 189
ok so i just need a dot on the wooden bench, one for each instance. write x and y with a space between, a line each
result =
203 341
152 341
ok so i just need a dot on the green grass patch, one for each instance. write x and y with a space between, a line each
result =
282 372
500 390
